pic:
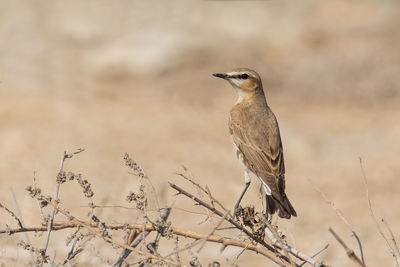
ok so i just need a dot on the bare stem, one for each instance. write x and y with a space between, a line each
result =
350 253
341 216
55 199
395 257
12 215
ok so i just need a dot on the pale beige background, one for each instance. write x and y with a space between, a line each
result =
135 76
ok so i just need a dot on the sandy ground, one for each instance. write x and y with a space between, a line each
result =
135 76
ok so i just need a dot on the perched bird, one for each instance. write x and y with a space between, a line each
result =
257 140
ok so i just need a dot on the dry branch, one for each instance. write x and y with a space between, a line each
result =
104 236
392 237
276 239
350 253
38 203
63 158
225 241
213 231
161 221
252 227
371 212
341 216
138 171
21 226
274 254
316 254
204 190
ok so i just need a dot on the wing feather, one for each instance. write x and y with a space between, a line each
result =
262 150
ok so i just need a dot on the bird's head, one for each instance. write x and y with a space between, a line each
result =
246 81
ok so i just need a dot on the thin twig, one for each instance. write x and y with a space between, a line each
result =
37 201
133 245
320 251
131 208
213 199
350 253
392 236
195 243
138 171
54 258
298 254
178 258
164 214
219 213
203 190
50 225
72 253
21 226
210 196
17 209
373 216
176 251
154 192
35 229
316 254
213 231
341 216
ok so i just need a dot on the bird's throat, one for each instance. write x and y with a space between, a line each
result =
255 97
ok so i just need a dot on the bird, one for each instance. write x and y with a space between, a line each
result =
256 136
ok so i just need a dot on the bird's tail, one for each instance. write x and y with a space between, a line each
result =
284 208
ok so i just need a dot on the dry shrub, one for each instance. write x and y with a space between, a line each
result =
147 237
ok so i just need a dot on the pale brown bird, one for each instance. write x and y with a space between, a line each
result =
257 139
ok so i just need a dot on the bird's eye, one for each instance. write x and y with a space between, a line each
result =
244 76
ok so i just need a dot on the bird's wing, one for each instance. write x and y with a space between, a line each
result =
262 148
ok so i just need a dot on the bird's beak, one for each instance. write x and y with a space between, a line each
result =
221 75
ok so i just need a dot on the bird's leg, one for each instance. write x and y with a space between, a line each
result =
247 180
274 221
266 207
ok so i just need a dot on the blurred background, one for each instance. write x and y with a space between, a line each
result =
135 76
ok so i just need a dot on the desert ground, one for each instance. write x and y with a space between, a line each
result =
135 77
